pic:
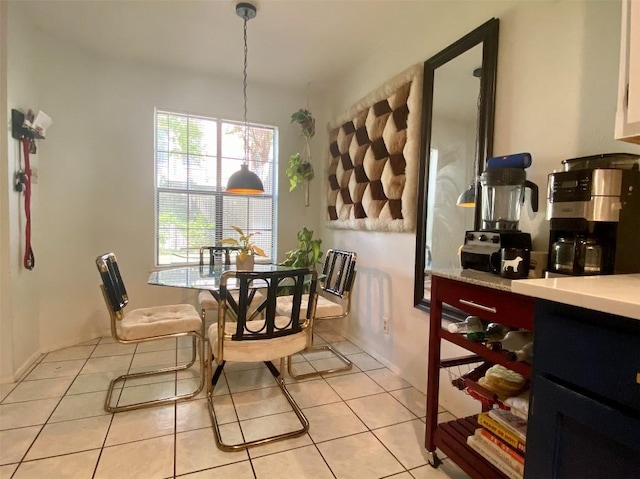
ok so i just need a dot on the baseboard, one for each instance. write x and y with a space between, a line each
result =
22 370
392 367
452 399
33 359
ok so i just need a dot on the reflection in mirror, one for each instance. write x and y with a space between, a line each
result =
459 92
453 143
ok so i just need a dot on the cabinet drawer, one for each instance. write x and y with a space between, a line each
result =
492 305
598 352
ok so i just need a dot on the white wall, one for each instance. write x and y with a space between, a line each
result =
6 326
95 191
20 308
556 97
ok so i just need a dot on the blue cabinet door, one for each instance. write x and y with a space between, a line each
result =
573 436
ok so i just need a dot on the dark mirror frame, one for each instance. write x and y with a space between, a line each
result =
487 35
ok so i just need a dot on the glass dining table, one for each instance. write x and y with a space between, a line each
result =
206 278
202 277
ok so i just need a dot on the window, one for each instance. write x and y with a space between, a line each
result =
194 158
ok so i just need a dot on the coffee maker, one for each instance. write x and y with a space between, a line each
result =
502 192
594 215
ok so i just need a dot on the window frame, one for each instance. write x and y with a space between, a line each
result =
219 192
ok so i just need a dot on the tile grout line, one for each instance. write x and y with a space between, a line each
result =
52 411
249 458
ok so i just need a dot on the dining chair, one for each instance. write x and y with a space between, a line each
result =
206 300
216 255
145 325
250 339
333 302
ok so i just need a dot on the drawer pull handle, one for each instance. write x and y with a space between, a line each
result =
638 378
490 309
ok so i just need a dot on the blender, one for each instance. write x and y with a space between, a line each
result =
503 194
502 198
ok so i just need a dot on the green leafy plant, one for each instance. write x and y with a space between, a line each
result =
299 171
308 252
247 247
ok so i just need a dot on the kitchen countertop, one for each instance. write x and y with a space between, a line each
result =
617 294
474 277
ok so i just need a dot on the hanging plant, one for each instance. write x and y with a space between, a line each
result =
306 121
300 170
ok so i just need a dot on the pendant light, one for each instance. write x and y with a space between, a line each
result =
245 181
468 197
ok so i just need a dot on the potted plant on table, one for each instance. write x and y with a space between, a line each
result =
245 259
300 169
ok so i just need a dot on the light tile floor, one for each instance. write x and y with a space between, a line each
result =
366 423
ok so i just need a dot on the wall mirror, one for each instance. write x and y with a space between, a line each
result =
457 139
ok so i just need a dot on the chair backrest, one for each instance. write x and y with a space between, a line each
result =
271 281
339 272
112 285
220 252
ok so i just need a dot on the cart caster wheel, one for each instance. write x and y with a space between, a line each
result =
434 460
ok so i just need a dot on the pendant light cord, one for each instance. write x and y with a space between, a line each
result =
244 91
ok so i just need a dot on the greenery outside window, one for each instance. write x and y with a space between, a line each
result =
194 158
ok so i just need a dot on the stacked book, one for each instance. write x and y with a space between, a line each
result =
501 440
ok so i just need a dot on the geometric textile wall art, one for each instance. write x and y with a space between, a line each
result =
374 149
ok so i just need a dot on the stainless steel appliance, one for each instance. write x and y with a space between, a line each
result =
594 217
481 249
502 197
503 194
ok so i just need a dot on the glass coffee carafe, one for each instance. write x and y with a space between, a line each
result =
576 255
589 255
563 253
502 198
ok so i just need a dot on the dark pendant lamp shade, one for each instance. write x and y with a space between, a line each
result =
468 197
245 182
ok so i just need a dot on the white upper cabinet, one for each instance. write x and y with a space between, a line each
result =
628 112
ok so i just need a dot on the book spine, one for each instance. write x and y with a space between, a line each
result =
490 437
500 431
474 443
501 454
504 418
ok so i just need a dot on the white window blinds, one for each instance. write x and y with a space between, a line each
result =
194 158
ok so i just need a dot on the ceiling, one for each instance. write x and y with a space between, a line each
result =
292 43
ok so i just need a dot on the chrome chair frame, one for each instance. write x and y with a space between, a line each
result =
207 296
116 299
269 330
339 274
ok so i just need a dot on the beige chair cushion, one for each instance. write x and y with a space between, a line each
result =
324 308
258 350
158 321
207 301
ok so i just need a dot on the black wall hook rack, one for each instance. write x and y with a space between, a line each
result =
18 130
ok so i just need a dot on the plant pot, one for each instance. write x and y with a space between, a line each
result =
308 127
245 263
